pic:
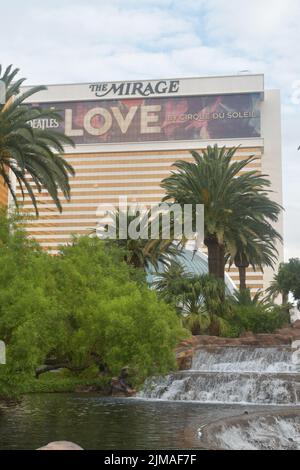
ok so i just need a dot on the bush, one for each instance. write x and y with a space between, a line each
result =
258 319
81 309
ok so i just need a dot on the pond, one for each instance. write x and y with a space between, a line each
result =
100 423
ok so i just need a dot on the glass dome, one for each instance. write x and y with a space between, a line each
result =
194 262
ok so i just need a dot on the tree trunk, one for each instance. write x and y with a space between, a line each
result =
285 298
216 257
242 275
213 255
221 262
242 263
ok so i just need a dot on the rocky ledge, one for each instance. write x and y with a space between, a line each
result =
186 349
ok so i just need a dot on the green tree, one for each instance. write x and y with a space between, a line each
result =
199 299
228 194
172 282
32 155
244 298
78 310
253 245
143 252
255 313
286 281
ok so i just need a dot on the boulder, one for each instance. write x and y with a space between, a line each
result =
61 445
187 348
296 324
184 359
247 334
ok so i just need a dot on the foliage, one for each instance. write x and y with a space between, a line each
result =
199 299
204 310
257 319
255 313
63 382
32 155
141 250
172 282
286 281
236 201
244 298
79 309
253 244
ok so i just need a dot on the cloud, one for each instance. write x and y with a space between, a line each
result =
79 41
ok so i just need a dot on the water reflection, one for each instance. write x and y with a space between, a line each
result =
106 423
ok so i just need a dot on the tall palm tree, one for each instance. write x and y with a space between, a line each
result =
253 244
215 180
32 155
281 284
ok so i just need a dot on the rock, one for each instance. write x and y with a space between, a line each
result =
296 324
184 359
247 334
187 348
249 341
86 389
61 445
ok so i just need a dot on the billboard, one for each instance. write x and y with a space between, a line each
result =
185 118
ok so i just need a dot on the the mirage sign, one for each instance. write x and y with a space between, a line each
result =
145 89
188 118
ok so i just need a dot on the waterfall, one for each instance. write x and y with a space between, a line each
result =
233 375
245 359
263 433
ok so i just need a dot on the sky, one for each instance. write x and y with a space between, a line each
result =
69 41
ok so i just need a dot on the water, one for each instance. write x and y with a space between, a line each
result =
195 409
226 388
241 375
246 359
106 423
261 434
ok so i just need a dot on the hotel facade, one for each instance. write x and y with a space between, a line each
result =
128 134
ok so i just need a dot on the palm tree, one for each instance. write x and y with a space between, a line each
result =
255 254
31 155
253 245
145 253
197 298
229 197
244 298
281 284
171 283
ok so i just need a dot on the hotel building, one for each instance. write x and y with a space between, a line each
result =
128 134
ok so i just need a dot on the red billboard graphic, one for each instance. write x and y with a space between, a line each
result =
158 119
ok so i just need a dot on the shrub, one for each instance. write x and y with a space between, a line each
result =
258 319
80 309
